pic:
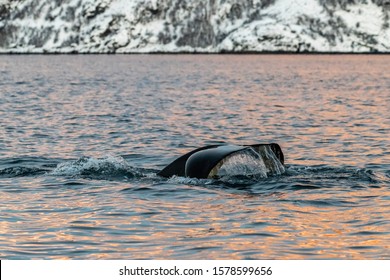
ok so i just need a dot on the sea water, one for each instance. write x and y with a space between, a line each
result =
82 138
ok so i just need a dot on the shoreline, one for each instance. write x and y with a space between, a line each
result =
197 53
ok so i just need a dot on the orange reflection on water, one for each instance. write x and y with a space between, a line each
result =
321 109
221 227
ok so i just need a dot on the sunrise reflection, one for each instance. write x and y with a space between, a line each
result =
217 222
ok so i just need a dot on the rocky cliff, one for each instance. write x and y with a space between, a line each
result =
128 26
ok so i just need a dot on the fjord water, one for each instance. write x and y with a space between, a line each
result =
82 138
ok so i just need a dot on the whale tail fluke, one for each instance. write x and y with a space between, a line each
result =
200 162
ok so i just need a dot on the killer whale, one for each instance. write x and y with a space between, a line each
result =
205 162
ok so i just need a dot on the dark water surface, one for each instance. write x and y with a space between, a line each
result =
82 138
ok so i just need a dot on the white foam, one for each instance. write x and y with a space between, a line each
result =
189 181
106 165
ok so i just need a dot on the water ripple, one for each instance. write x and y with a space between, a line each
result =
84 137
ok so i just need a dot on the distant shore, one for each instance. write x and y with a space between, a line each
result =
196 53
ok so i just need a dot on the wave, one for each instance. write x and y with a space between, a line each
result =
339 173
113 167
25 166
21 171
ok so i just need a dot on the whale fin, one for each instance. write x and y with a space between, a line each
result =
178 166
200 164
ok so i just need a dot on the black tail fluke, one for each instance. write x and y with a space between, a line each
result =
199 162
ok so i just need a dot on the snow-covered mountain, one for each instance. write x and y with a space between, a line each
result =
128 26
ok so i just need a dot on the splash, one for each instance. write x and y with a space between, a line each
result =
188 181
272 163
257 164
106 167
244 163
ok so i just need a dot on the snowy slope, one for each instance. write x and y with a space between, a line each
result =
127 26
